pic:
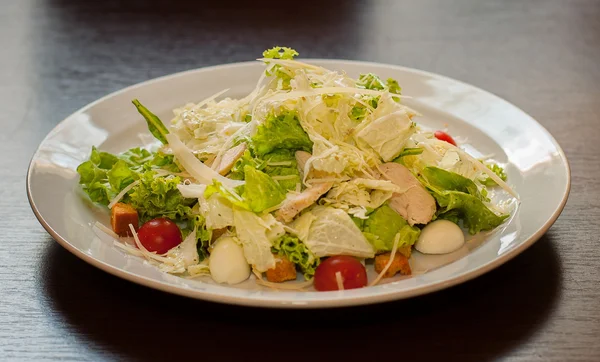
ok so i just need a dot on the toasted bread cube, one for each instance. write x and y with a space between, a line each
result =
121 215
405 250
399 264
284 270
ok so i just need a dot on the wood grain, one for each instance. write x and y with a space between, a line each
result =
544 56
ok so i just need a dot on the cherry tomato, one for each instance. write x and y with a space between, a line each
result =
159 235
353 273
443 136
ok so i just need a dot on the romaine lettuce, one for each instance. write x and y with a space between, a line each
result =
280 132
261 191
382 226
458 200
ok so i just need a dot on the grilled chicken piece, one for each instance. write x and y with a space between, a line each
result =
399 264
294 204
230 157
415 205
284 270
301 158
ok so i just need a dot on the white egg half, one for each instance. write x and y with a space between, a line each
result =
227 262
440 237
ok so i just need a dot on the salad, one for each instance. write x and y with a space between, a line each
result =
313 177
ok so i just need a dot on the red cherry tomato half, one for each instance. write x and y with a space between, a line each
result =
443 136
159 235
353 273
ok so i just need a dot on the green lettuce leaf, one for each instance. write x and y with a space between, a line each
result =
280 132
283 163
104 175
459 200
446 180
283 74
295 250
237 171
136 156
93 176
261 191
158 197
408 152
235 199
488 181
280 53
370 81
382 226
120 175
155 125
277 163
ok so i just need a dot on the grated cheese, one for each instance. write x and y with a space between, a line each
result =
145 252
339 280
389 263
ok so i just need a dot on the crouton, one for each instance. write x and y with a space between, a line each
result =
400 264
284 270
405 250
121 215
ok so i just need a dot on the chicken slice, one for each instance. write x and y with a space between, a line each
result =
301 158
230 157
415 205
296 203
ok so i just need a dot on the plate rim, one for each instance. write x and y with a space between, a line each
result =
328 303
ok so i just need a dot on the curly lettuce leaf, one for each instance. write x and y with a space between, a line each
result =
261 191
93 176
460 200
278 52
104 175
280 132
291 247
382 226
158 197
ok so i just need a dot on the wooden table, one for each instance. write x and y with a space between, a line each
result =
543 56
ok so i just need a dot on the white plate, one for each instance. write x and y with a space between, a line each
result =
537 169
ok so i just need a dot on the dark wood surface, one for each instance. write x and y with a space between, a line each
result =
544 56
